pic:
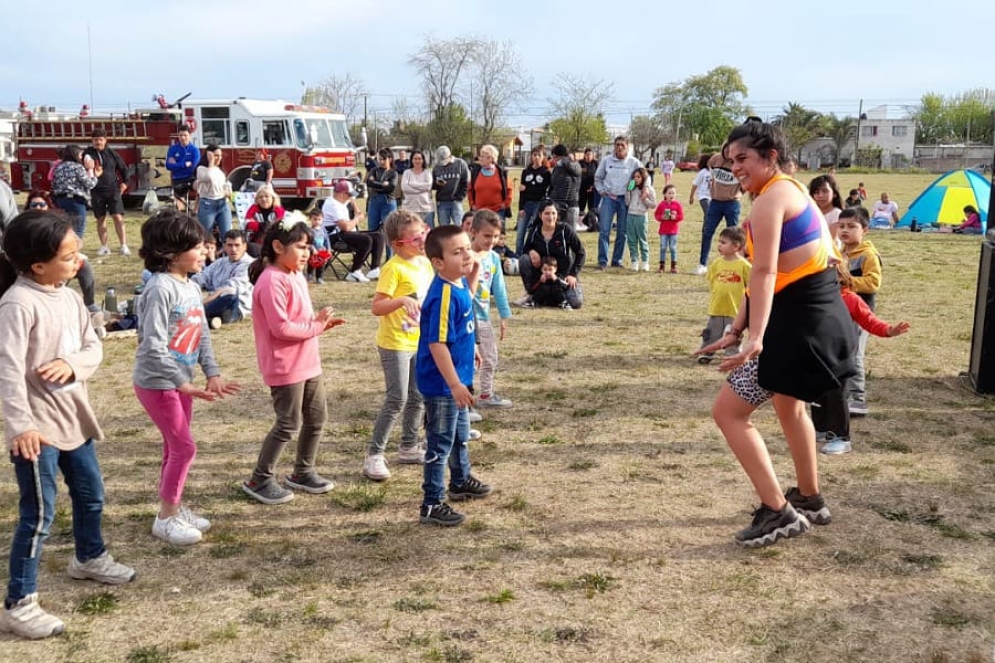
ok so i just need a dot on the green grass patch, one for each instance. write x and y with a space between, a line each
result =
416 604
504 596
149 654
361 497
98 604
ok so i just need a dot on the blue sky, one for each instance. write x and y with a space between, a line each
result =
825 56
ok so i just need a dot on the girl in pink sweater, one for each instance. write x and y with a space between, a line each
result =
286 330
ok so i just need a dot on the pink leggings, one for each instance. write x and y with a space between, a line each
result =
171 412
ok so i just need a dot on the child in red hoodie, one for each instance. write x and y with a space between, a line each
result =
669 214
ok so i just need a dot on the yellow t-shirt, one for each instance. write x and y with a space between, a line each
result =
402 278
727 280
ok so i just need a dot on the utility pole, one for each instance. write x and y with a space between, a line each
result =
365 132
856 137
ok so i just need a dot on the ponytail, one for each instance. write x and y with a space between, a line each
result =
8 274
293 228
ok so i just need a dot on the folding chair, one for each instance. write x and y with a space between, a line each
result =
338 249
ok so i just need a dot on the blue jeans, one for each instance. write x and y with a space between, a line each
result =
224 307
610 209
447 431
211 212
524 222
716 210
428 218
450 213
668 243
380 207
76 209
37 483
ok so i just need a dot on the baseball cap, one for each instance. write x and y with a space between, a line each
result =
344 186
443 153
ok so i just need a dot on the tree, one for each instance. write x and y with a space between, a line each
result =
578 111
343 94
961 118
799 125
932 124
646 134
498 83
440 63
840 130
705 107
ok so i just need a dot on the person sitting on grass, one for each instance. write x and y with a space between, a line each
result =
972 222
550 289
260 215
550 237
226 281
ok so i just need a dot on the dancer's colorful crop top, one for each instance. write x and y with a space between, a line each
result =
807 226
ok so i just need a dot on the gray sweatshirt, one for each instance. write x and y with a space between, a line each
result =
614 174
39 324
173 335
223 273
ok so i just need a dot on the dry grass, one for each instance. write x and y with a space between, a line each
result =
609 535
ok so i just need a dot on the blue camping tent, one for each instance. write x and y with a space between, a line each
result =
943 201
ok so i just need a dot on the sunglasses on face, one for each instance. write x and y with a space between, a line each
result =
38 206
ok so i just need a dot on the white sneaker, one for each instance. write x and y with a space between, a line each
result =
646 267
475 435
176 531
373 274
103 251
700 270
357 277
27 620
634 265
474 416
522 301
125 251
102 569
493 400
375 468
412 456
202 524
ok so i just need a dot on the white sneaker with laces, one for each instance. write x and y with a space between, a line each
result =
634 265
474 416
375 468
646 267
373 274
493 400
357 277
27 620
103 251
176 531
412 456
700 270
102 569
125 251
202 524
522 301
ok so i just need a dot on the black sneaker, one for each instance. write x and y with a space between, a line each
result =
812 507
768 526
471 489
310 483
439 514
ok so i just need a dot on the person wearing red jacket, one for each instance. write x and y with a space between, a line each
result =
488 187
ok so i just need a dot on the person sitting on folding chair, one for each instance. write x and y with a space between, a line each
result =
365 246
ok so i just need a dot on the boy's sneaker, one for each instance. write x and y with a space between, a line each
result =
474 416
566 306
835 446
493 400
26 619
312 483
768 526
201 523
813 507
125 251
857 408
103 251
522 301
319 281
373 274
410 456
646 267
475 435
439 514
176 531
375 468
821 436
705 359
357 277
471 489
634 266
102 569
700 270
268 493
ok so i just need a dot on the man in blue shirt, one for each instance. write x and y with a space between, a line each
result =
182 160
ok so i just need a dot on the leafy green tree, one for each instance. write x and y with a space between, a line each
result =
840 130
960 118
800 125
646 134
579 110
704 107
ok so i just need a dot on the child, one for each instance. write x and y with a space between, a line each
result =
830 413
669 213
173 336
853 200
286 331
466 223
861 191
640 198
321 251
550 289
864 263
727 278
49 349
444 369
972 222
667 168
484 233
509 259
401 288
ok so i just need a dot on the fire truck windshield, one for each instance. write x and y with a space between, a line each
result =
313 133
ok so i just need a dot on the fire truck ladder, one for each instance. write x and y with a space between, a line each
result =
82 130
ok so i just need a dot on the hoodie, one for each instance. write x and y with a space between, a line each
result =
613 174
865 270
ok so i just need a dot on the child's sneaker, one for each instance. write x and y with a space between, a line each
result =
375 468
646 267
705 359
857 408
202 524
103 251
411 456
439 514
176 531
835 446
268 493
768 526
471 489
475 435
102 569
813 507
312 483
493 400
26 619
125 251
474 416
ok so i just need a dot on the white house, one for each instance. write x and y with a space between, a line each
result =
891 129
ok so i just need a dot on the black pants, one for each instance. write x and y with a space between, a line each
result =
531 275
831 414
364 244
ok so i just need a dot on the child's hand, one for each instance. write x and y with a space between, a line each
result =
218 386
751 349
898 329
324 314
504 328
332 322
462 396
411 306
57 371
196 392
27 445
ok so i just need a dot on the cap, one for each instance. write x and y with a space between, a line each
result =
443 153
344 186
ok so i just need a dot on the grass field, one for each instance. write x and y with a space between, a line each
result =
609 535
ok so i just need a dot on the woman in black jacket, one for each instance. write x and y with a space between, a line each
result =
551 237
381 182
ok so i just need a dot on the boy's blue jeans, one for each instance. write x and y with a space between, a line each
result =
447 431
37 483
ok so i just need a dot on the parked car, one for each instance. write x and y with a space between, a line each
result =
687 165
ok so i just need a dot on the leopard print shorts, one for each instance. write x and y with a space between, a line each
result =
745 384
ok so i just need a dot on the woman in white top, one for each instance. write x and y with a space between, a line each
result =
213 188
416 185
827 198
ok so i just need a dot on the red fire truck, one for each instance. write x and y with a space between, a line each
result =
309 146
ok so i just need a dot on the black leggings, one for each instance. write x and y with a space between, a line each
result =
364 244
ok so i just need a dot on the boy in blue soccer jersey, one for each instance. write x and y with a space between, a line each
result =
444 373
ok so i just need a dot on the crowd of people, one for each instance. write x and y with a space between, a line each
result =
787 290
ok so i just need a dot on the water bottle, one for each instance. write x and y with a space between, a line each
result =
110 301
915 225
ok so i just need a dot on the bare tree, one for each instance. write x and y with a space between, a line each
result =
440 64
578 111
646 134
343 94
498 82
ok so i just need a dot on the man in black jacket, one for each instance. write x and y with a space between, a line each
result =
112 176
564 188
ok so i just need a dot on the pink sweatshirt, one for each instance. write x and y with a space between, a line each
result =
285 329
